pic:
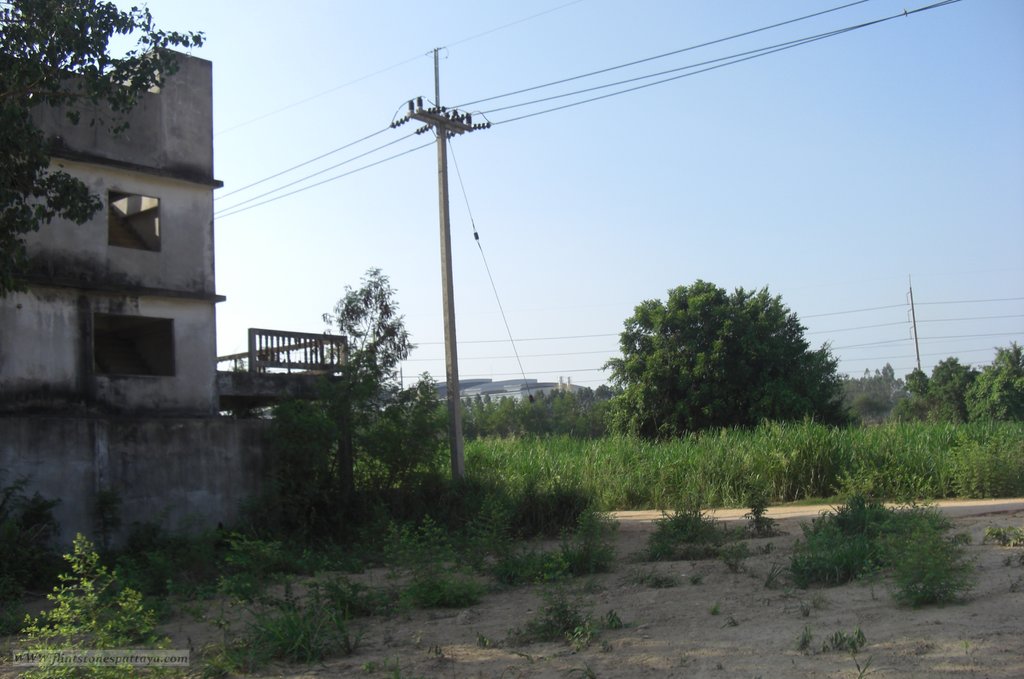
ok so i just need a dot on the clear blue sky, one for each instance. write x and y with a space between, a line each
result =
830 172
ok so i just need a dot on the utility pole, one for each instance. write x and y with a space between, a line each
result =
446 124
913 319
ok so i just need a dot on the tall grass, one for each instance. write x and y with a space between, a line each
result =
785 462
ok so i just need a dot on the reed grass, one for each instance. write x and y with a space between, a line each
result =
785 462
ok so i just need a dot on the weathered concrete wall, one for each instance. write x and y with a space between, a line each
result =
46 354
79 255
186 474
170 131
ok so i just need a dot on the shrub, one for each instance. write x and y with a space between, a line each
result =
559 619
685 534
930 569
27 529
90 612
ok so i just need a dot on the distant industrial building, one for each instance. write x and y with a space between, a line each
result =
518 389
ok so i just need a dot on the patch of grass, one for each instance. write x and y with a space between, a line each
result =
685 534
774 575
559 619
290 630
733 555
354 599
715 609
1006 537
803 642
653 579
850 642
589 549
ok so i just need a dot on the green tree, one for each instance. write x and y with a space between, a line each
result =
871 398
998 392
941 397
372 413
57 53
706 358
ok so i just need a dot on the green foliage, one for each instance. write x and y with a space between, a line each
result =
559 619
58 54
1007 537
588 550
872 397
91 611
251 564
706 359
783 461
291 630
841 545
929 568
653 579
27 529
941 397
998 392
685 534
733 555
864 536
425 554
341 458
579 414
850 642
355 600
760 526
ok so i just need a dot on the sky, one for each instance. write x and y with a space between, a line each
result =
836 173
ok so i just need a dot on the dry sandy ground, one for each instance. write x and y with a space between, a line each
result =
673 633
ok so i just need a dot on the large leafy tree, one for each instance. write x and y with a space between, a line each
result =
941 397
58 53
998 392
706 358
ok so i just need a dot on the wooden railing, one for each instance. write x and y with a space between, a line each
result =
290 351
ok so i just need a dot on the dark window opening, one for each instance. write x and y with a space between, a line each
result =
134 221
133 345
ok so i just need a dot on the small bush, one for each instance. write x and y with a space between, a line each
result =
90 611
684 534
27 529
426 554
547 512
930 569
288 630
588 550
560 619
355 600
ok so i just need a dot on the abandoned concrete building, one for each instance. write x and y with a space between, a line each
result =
108 366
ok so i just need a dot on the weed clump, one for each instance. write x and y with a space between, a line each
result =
685 534
864 536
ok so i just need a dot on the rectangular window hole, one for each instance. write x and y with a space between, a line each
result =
134 221
133 345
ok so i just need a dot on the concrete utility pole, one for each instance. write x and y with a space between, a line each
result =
446 124
913 318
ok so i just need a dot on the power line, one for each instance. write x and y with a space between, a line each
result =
487 268
385 70
231 211
750 55
496 358
656 57
977 301
302 164
231 208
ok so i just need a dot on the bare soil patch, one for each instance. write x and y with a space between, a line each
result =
713 623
